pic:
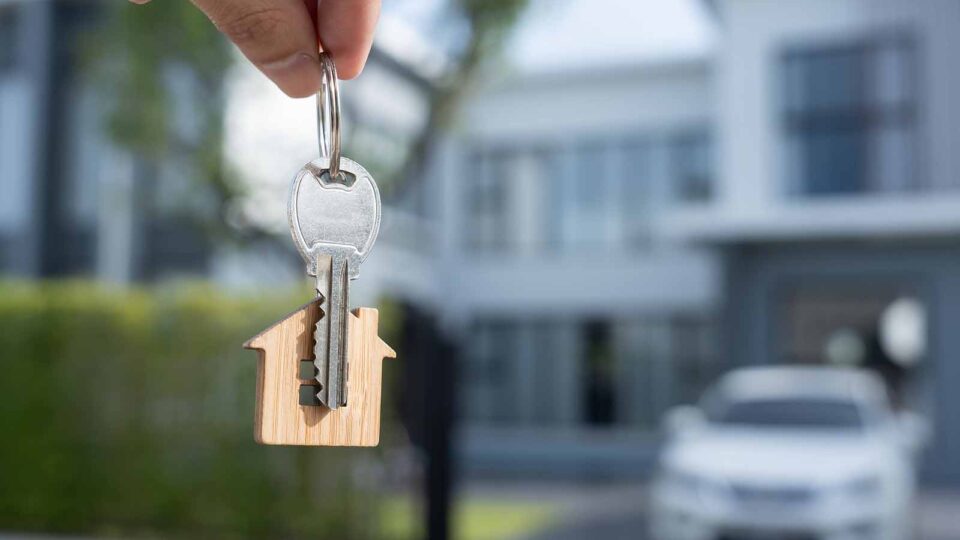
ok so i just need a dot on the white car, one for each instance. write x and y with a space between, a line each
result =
787 452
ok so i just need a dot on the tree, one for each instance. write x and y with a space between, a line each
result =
487 25
138 47
136 56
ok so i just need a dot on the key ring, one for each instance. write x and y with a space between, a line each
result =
328 114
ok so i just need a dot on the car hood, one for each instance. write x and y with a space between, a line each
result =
773 456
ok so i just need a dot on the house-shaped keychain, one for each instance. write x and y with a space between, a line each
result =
285 374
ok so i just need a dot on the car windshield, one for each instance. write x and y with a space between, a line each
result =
789 413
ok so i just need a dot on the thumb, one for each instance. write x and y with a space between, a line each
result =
278 36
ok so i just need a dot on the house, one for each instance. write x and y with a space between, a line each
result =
612 238
579 324
286 410
836 207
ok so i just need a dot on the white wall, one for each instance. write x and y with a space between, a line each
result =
654 96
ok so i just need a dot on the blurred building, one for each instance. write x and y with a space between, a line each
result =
610 239
72 202
837 195
580 324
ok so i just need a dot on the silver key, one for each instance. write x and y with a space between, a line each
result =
334 223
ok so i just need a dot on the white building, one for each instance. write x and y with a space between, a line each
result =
598 229
838 190
579 323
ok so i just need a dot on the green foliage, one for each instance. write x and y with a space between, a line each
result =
160 62
487 24
490 22
134 52
130 413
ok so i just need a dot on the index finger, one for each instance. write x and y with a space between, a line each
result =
278 36
345 29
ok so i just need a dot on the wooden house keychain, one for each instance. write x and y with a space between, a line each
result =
319 370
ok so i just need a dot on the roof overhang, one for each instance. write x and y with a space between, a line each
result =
888 217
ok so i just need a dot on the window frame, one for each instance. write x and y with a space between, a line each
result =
867 118
10 49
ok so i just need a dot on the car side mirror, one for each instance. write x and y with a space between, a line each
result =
913 430
683 419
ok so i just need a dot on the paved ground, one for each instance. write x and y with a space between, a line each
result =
938 515
584 511
615 512
605 512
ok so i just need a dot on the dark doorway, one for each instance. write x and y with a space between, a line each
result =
598 370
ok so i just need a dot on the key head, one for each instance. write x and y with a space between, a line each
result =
327 213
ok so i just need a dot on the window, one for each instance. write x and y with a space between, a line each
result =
552 372
662 362
490 355
487 202
588 196
849 116
583 210
794 412
637 193
9 51
691 167
589 213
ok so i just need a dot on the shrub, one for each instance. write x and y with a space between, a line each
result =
131 411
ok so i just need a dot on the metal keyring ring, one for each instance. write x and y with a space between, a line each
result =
328 113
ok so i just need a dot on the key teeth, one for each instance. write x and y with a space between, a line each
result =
321 384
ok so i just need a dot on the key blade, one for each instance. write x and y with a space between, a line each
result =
330 335
321 332
340 340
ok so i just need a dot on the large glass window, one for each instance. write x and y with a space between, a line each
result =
691 167
849 116
556 372
486 374
589 213
9 51
486 204
585 196
637 193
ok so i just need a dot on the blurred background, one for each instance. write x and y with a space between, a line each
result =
681 269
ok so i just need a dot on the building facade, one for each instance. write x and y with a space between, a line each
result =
611 241
837 199
72 202
579 324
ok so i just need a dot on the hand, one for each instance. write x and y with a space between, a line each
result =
280 36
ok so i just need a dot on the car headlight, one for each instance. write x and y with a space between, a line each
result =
861 487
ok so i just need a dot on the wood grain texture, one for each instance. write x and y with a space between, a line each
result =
280 419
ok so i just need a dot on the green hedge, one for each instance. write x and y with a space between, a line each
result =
131 413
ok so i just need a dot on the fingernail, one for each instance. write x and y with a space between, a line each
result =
298 75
